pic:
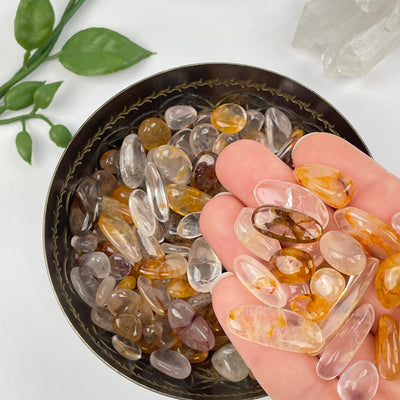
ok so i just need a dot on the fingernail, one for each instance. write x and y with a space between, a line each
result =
223 275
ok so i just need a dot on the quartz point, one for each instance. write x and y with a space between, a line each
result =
277 128
228 363
328 283
387 281
292 196
352 36
229 118
259 280
346 342
332 186
360 381
171 363
343 252
278 328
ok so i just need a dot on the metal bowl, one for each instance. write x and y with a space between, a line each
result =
201 85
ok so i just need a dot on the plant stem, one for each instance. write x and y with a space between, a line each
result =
42 53
24 117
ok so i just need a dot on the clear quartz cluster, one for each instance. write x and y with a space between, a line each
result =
352 35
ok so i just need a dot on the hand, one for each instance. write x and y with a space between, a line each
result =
285 375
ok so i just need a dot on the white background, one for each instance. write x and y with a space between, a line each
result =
41 357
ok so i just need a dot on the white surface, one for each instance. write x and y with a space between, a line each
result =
42 357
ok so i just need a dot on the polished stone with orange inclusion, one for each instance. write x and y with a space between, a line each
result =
229 118
387 281
278 328
184 199
153 132
180 288
387 349
332 186
170 266
310 306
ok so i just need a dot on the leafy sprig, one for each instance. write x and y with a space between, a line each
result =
89 52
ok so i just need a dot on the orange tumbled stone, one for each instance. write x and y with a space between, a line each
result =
128 282
184 199
170 266
153 132
122 193
180 288
387 348
387 281
310 306
229 118
332 186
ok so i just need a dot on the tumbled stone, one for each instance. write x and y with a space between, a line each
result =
153 132
142 212
181 140
228 363
332 186
180 287
343 252
169 248
128 326
202 138
312 249
173 164
278 328
252 134
132 161
291 265
121 235
108 182
180 116
102 318
285 152
395 222
164 335
107 285
96 264
126 348
85 285
229 118
286 225
151 246
200 301
189 226
85 207
292 196
170 266
114 207
154 291
185 199
259 280
109 159
203 266
259 244
387 281
387 351
311 306
327 283
85 243
171 363
223 140
120 266
277 128
347 341
129 282
294 290
255 120
360 381
122 193
377 238
190 326
203 175
211 318
194 356
349 300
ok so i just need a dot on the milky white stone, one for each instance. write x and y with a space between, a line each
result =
228 363
96 263
171 363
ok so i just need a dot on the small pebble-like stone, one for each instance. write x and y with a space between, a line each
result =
327 283
387 348
169 248
259 244
132 161
122 193
228 363
181 140
108 182
85 243
311 306
292 196
200 301
185 199
107 285
292 265
257 136
286 225
142 212
120 266
189 226
180 116
126 348
153 132
277 128
180 288
332 186
85 285
190 326
387 281
203 175
255 120
194 356
223 140
377 238
229 118
173 164
164 335
203 266
259 280
151 246
343 252
170 266
129 282
102 318
96 264
202 138
171 363
114 207
109 159
294 290
154 291
128 326
278 328
360 381
121 235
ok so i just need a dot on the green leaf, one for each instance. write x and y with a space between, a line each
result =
21 95
60 135
33 23
44 94
97 51
24 146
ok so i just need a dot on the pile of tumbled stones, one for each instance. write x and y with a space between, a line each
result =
146 272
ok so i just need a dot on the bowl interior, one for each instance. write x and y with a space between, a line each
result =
203 86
